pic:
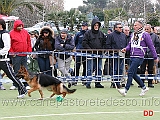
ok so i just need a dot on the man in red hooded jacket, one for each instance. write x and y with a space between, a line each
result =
20 42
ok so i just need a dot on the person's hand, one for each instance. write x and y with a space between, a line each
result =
62 45
14 56
123 50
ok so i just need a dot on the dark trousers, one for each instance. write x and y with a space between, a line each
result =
150 63
79 61
5 66
17 61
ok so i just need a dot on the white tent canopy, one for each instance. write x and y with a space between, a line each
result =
8 18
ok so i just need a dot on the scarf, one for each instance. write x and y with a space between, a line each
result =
136 37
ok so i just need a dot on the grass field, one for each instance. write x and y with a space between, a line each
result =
84 104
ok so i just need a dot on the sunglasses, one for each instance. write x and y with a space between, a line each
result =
119 27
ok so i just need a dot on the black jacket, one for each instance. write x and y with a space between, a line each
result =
116 40
1 41
42 45
45 43
156 43
94 39
68 45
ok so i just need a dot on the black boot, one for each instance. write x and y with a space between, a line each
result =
151 85
98 85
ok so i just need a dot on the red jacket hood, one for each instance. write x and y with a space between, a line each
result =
17 23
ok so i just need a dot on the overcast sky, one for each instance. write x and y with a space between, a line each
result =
68 4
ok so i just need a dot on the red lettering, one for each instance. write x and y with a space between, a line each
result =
150 112
145 113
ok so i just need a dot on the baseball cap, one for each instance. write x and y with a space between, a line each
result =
64 31
84 24
32 32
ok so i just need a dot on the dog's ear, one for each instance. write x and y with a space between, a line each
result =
23 68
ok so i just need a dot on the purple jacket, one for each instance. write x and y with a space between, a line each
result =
139 47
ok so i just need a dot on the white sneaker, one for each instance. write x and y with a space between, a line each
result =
143 91
51 66
28 87
13 88
2 87
122 92
21 96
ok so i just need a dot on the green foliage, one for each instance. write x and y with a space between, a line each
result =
114 14
104 30
67 18
99 13
7 6
97 3
85 9
153 19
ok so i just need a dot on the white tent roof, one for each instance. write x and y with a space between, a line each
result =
8 18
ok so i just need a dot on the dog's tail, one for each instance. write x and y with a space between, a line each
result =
68 91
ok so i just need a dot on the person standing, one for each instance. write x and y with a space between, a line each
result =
148 62
78 44
46 42
33 39
106 64
109 31
116 40
20 42
4 61
94 39
137 46
127 32
64 43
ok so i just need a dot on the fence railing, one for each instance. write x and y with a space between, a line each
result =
104 65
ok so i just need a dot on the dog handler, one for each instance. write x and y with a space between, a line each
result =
4 61
137 46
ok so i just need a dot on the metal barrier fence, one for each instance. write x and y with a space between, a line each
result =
113 66
103 65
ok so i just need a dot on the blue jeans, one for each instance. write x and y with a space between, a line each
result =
44 65
132 72
80 60
117 65
93 64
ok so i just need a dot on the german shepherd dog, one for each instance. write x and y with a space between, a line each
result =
37 81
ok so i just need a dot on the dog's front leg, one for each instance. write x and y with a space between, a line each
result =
31 90
64 94
41 93
52 95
